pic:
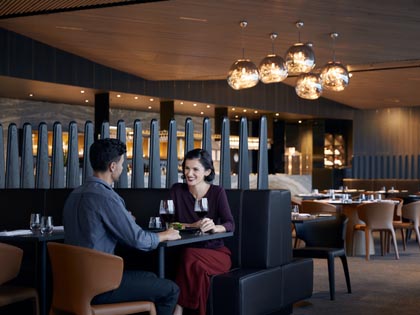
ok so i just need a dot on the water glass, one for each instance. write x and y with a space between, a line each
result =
295 212
35 222
155 223
47 226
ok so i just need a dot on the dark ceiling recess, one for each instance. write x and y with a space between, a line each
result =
13 8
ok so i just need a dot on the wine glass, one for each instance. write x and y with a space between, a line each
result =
35 222
166 211
201 207
47 226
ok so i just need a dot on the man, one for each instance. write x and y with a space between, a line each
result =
95 216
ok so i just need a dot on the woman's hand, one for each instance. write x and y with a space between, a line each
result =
207 225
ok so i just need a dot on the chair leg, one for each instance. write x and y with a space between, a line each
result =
346 272
367 243
403 239
416 229
35 305
331 276
394 240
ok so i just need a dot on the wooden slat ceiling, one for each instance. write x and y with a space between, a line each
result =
199 40
13 8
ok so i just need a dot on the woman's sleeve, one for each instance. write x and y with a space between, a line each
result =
225 214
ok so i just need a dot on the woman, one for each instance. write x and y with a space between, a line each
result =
208 258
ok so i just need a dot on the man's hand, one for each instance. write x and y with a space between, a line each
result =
169 235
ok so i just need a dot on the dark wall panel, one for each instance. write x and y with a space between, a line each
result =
44 62
20 52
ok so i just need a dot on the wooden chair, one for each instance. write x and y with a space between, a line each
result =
10 261
410 212
398 221
378 216
325 239
79 274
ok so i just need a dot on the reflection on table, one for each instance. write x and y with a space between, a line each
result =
186 238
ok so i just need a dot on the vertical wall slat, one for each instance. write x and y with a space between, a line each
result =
189 135
2 174
243 177
154 156
225 176
393 166
262 177
57 159
122 136
12 159
27 179
104 130
206 140
87 142
137 174
72 176
388 167
42 177
172 154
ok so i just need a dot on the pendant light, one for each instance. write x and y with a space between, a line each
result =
335 76
309 86
300 58
272 68
243 73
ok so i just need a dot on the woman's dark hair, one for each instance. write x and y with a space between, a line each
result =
105 151
205 159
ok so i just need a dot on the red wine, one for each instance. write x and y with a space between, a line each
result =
167 217
201 214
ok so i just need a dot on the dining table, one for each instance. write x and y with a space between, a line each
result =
34 270
355 240
187 237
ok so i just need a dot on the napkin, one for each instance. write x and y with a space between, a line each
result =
16 232
58 228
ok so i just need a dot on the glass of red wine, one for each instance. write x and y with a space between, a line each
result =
201 208
166 211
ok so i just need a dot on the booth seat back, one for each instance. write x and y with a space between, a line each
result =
266 229
16 206
143 202
234 197
54 203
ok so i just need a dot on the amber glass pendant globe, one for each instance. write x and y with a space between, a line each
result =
272 69
243 74
300 58
335 76
309 86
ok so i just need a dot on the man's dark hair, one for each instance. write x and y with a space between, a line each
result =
105 151
205 160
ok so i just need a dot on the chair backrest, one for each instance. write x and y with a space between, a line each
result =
10 260
79 274
330 232
397 208
315 207
377 215
411 211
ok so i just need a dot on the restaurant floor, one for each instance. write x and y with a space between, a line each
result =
382 285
